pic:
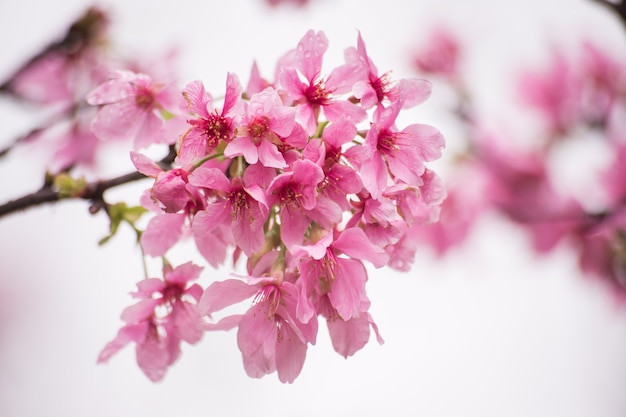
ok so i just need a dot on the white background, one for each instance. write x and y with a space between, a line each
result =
490 330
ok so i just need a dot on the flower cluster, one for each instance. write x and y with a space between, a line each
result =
307 177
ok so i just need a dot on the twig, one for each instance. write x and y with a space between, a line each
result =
93 192
618 8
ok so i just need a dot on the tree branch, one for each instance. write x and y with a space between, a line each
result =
618 8
93 192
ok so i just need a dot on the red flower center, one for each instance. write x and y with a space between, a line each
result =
216 128
258 128
316 94
144 99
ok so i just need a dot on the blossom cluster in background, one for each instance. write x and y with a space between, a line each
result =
580 103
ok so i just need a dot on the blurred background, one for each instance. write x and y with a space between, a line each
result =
490 328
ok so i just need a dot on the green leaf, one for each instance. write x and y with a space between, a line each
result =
119 213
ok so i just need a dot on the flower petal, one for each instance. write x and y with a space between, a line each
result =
221 294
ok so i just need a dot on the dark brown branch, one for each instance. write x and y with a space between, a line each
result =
619 9
93 192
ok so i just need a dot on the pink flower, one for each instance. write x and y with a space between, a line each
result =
269 337
555 92
379 219
47 80
295 192
78 145
374 89
333 286
174 200
419 204
350 336
317 93
324 273
520 187
399 153
458 212
165 315
171 189
133 107
440 55
211 127
341 180
266 122
241 208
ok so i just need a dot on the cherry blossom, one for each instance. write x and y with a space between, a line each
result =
132 106
211 126
165 315
376 88
295 193
242 208
269 336
318 93
388 151
264 126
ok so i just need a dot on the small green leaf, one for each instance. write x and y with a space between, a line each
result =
119 213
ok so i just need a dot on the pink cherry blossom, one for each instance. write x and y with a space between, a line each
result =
350 336
76 145
178 201
333 286
165 315
317 93
379 219
555 92
174 200
171 189
47 80
286 176
440 55
133 107
375 88
270 337
239 207
265 123
211 126
458 212
391 154
324 273
339 182
295 192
